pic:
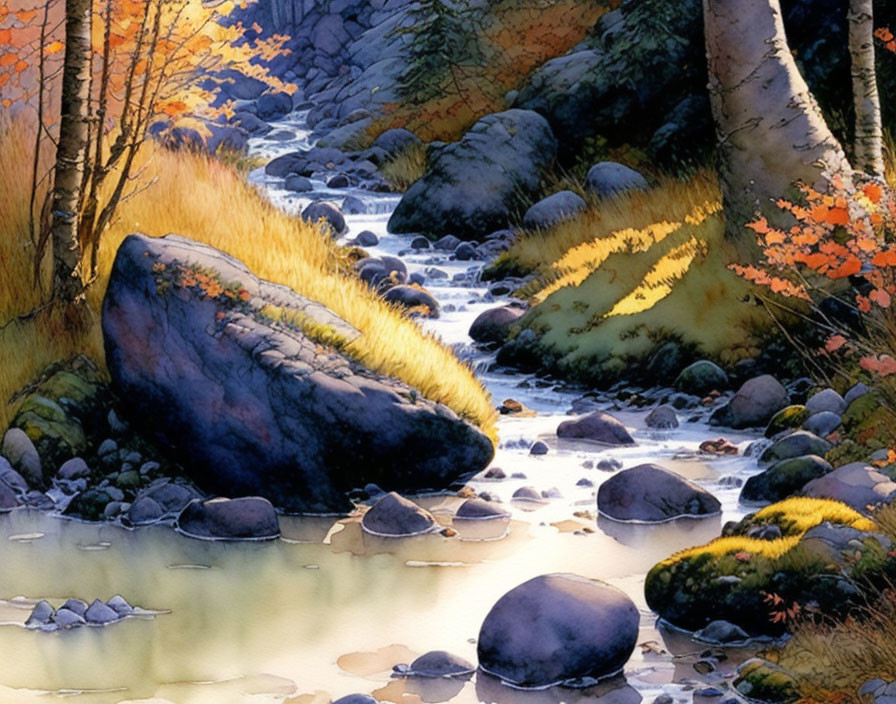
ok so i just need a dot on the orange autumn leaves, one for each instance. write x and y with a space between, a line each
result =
169 46
886 37
847 231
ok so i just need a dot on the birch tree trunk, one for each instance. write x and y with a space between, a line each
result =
71 151
771 132
869 130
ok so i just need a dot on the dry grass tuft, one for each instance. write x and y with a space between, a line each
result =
201 198
408 166
832 660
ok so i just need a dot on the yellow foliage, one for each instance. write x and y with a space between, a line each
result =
799 513
198 197
802 513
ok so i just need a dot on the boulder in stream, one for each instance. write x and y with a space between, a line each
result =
253 408
245 518
597 426
558 628
473 186
394 516
652 494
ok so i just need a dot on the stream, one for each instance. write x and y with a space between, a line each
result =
328 610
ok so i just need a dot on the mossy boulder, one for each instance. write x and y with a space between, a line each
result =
867 426
789 418
783 479
65 412
701 377
797 444
731 577
762 681
89 505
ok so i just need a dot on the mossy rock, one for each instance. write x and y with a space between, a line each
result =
762 681
731 577
797 444
65 412
783 479
701 377
794 516
89 505
867 426
789 418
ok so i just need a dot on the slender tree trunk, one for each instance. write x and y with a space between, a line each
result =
74 129
771 132
869 129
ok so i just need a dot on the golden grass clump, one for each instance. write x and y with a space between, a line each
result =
406 167
800 513
632 220
198 197
797 514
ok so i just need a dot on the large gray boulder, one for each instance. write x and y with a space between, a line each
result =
754 404
597 426
554 209
855 484
474 186
254 408
558 628
652 494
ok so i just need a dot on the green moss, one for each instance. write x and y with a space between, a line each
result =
731 577
762 681
65 407
868 425
786 419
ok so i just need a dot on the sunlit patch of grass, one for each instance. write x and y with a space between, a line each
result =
612 224
406 167
734 544
632 271
201 198
658 282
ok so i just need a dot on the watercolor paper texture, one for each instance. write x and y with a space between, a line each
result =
517 352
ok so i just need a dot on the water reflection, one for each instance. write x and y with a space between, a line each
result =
255 617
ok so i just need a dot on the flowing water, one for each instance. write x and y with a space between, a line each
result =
328 610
